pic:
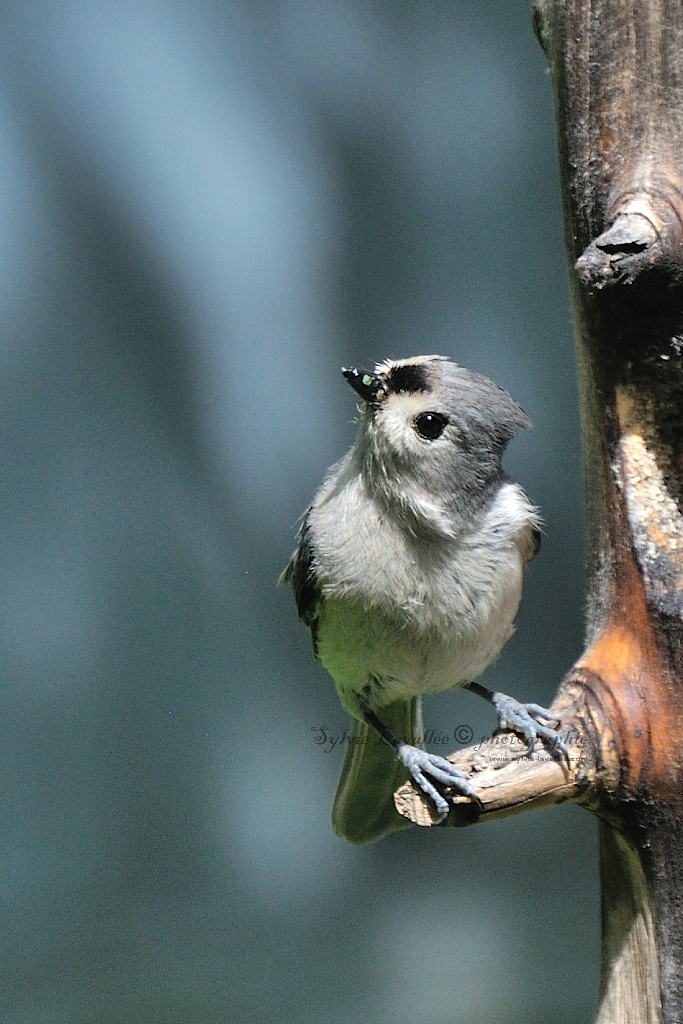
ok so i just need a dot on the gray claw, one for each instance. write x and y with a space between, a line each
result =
426 787
538 712
524 719
420 763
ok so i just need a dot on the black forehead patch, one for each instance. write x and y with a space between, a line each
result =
407 379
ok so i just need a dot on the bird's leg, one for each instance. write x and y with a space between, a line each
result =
420 764
523 719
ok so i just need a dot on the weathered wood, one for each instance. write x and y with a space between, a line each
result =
508 778
630 983
617 73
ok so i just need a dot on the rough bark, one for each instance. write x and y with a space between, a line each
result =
617 74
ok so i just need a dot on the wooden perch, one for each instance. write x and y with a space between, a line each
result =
617 75
508 778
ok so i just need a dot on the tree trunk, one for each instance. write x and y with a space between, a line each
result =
617 73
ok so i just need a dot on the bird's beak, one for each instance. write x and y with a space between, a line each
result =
368 385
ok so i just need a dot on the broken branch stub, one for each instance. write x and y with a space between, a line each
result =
509 778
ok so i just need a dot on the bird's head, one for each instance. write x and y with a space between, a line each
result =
431 437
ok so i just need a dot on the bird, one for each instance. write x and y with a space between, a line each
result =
408 572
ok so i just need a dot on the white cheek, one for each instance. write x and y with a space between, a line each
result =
395 430
399 433
396 423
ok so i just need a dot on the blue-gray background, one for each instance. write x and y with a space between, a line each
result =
205 210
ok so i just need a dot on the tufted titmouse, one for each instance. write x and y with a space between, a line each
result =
408 571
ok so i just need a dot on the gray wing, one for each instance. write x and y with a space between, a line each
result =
300 572
531 544
534 544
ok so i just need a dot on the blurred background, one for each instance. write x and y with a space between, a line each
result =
205 210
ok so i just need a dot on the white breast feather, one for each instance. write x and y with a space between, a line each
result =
419 617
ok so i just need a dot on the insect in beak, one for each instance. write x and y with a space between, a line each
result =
368 385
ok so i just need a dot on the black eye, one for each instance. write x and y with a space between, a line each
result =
431 425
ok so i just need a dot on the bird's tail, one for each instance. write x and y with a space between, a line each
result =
364 805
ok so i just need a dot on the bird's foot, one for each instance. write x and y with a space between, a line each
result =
420 764
524 720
